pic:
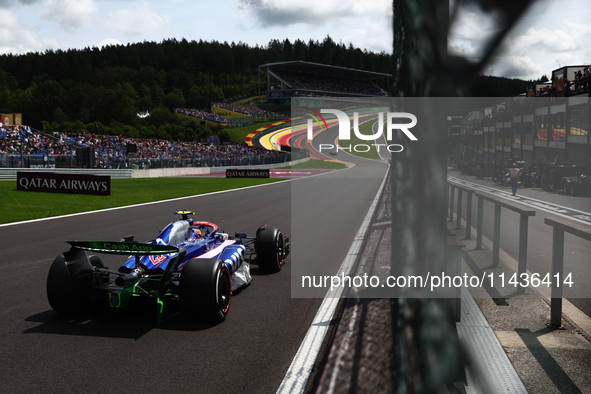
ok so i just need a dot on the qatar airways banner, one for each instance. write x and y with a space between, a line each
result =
63 183
247 173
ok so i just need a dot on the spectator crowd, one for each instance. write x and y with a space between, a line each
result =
17 140
202 115
252 111
112 151
579 84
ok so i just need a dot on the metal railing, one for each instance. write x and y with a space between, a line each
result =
523 228
560 226
469 192
454 267
499 203
11 173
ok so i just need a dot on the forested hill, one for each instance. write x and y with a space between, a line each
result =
108 87
116 82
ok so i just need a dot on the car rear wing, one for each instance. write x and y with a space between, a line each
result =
125 248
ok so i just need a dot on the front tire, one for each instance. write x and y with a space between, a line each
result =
205 290
270 249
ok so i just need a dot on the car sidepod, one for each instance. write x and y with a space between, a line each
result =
239 268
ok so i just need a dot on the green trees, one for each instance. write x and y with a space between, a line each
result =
111 85
201 97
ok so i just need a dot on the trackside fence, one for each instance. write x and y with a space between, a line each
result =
560 226
499 203
453 186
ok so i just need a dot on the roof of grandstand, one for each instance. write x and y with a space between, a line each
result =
317 68
315 78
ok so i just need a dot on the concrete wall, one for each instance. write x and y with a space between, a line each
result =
217 170
169 172
10 173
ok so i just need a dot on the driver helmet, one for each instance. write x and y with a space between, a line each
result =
198 234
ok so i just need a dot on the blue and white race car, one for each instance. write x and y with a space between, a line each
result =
190 264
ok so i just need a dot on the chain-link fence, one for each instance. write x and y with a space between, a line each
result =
105 161
427 353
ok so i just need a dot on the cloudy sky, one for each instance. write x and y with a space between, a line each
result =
555 32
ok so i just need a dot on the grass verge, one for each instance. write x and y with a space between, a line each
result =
365 129
17 205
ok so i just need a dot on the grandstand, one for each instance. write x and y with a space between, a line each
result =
305 79
547 124
204 115
26 147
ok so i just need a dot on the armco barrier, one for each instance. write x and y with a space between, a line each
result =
216 170
560 226
170 172
10 173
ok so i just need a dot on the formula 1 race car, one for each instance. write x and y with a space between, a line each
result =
190 266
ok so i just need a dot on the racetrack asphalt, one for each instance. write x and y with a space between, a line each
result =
125 350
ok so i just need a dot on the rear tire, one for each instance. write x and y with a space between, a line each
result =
205 290
270 249
68 286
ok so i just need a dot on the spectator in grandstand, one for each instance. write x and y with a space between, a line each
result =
202 115
112 151
578 77
252 110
